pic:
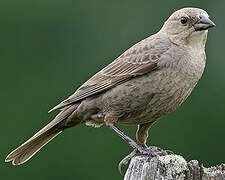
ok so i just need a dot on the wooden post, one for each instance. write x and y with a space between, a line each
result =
171 167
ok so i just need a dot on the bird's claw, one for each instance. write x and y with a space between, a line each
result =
126 159
151 151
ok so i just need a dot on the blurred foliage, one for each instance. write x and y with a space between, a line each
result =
49 48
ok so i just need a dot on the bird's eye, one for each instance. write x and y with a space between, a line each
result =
183 20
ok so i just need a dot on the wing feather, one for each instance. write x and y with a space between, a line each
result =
138 60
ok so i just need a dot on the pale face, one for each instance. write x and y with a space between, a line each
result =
188 24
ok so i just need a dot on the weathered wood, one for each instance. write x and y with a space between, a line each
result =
171 167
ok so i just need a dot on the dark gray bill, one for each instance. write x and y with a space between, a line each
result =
203 24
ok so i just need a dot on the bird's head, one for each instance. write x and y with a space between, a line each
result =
188 26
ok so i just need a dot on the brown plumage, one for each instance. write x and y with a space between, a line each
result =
146 82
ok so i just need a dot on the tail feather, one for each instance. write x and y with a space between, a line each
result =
24 152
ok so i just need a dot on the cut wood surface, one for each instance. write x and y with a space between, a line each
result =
171 167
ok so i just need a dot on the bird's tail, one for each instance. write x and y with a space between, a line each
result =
24 152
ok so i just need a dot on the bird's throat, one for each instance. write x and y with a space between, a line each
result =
198 39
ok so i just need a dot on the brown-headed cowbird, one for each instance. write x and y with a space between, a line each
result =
148 81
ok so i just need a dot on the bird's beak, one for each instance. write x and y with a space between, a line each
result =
203 24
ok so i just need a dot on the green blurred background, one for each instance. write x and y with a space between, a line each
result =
49 48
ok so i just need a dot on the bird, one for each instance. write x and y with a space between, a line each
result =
146 82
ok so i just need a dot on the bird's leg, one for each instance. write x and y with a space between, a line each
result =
130 141
126 138
142 132
142 135
140 148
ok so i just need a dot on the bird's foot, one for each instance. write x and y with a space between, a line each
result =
139 149
151 151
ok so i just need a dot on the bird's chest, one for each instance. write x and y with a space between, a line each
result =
174 85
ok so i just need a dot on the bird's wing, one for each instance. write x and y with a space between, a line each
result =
138 60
